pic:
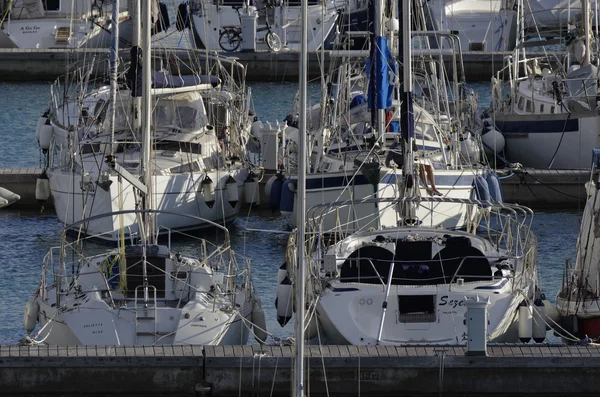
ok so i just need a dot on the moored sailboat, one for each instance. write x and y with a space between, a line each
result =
577 300
145 292
200 122
407 283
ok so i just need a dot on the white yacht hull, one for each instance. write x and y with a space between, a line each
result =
41 34
335 187
558 141
98 324
77 198
354 317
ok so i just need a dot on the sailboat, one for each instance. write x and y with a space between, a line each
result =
550 118
352 157
407 284
147 292
54 24
577 299
199 125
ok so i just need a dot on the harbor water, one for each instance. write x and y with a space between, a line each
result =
26 236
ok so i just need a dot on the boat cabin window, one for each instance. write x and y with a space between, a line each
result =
169 114
51 5
521 102
414 264
298 2
100 110
185 117
161 116
528 106
552 109
541 108
189 167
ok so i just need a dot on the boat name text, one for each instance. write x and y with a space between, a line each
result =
453 303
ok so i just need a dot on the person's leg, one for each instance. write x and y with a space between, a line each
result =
423 177
431 178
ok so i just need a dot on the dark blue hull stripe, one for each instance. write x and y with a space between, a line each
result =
522 127
324 181
440 180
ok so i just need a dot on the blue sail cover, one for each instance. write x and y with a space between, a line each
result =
385 74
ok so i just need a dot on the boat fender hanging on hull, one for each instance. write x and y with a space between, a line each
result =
288 191
30 316
275 192
251 192
207 190
45 135
231 188
482 190
493 141
40 123
525 322
494 187
42 187
539 325
259 322
283 303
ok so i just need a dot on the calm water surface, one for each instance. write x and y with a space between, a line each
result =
26 236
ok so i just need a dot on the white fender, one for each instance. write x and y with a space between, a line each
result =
590 188
207 190
42 187
40 123
469 149
256 129
231 189
269 184
46 133
494 141
284 302
539 326
260 323
525 323
550 311
281 273
251 192
31 313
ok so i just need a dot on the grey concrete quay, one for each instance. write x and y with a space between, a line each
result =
525 370
47 64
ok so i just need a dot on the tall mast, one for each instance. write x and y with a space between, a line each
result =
407 119
146 114
378 25
585 13
134 9
114 63
301 201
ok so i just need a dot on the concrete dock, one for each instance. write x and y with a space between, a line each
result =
47 64
508 370
22 182
545 189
